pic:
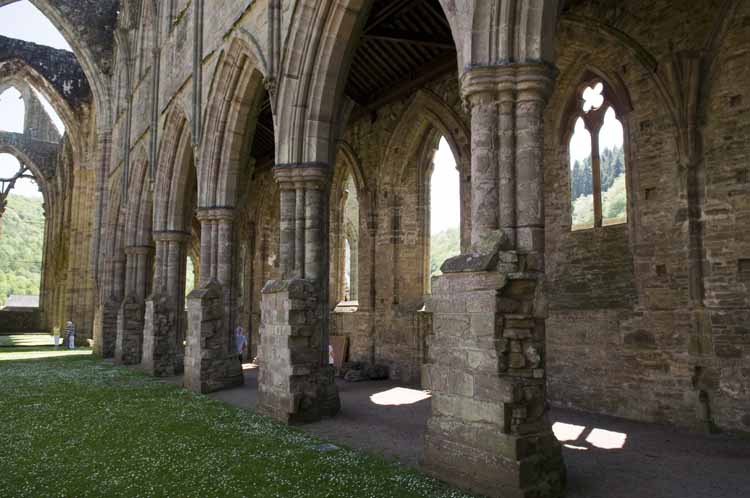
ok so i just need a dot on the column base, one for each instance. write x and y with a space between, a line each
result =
475 457
159 337
211 363
293 385
489 432
129 344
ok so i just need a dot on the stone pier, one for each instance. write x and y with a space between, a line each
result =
489 431
211 361
293 384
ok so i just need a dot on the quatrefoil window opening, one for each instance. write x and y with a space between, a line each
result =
593 99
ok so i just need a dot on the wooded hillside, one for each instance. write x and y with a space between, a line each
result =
21 242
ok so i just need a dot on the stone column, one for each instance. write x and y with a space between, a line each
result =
162 336
299 230
211 360
129 343
482 100
295 383
287 242
533 86
489 430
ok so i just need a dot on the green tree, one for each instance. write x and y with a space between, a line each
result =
444 245
21 244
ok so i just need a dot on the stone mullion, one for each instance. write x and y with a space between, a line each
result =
596 178
3 204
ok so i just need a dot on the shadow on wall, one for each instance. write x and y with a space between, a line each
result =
28 320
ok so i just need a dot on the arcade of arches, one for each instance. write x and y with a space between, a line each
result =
285 150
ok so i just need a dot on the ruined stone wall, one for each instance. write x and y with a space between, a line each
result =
257 249
392 229
20 321
624 336
726 144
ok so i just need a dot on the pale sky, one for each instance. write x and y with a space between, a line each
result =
23 21
445 204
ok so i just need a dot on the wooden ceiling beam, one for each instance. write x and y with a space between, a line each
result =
410 38
426 74
396 8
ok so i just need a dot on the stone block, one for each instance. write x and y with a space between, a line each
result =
129 343
160 337
294 385
211 363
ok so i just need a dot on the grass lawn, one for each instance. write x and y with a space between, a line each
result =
74 427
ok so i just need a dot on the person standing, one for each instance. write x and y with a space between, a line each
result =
56 336
70 334
240 340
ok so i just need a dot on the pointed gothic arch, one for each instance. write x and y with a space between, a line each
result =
234 101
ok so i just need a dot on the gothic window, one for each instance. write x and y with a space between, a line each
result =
444 220
13 115
598 181
189 276
349 242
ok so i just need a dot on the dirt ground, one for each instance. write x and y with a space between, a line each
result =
605 457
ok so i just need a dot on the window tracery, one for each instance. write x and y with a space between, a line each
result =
598 173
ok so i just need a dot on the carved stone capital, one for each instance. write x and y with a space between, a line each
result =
307 175
139 250
215 214
505 82
171 236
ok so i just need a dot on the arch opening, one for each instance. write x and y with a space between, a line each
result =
13 117
23 223
444 209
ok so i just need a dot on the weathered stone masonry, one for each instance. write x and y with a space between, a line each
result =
237 136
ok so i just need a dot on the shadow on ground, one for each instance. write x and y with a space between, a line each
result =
606 457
